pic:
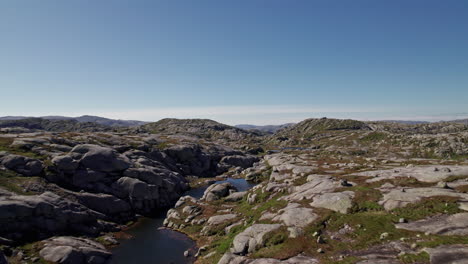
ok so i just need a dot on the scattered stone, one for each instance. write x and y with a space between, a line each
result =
384 236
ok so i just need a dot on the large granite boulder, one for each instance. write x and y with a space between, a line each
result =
106 204
35 216
73 250
218 190
100 158
252 238
65 163
239 161
142 196
22 165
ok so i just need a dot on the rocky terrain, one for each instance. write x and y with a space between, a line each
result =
327 191
84 119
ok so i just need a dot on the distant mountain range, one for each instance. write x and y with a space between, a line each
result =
268 128
84 119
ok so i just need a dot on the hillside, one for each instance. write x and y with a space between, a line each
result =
200 128
53 125
267 128
85 119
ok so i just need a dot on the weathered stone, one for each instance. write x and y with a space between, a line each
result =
219 219
217 191
454 254
239 161
401 197
72 250
456 224
65 163
22 165
234 197
294 215
338 202
252 238
46 213
101 159
421 173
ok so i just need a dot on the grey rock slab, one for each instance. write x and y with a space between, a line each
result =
338 202
421 173
318 184
229 258
239 160
219 219
453 254
217 191
456 224
401 197
252 238
294 215
72 250
236 196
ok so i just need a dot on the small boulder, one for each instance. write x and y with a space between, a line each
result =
217 191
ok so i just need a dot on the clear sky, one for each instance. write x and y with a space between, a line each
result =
243 61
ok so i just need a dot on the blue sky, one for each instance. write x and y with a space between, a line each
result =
244 61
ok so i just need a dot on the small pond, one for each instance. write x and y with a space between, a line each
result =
149 244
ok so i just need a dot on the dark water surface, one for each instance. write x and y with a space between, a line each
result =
161 246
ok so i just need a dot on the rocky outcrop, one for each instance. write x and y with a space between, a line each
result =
455 254
72 250
421 173
252 238
338 202
239 161
400 197
99 158
22 165
108 205
235 196
38 216
219 219
292 215
456 224
217 191
230 258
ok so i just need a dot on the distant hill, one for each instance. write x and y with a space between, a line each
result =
268 128
54 125
460 121
203 128
409 122
84 119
